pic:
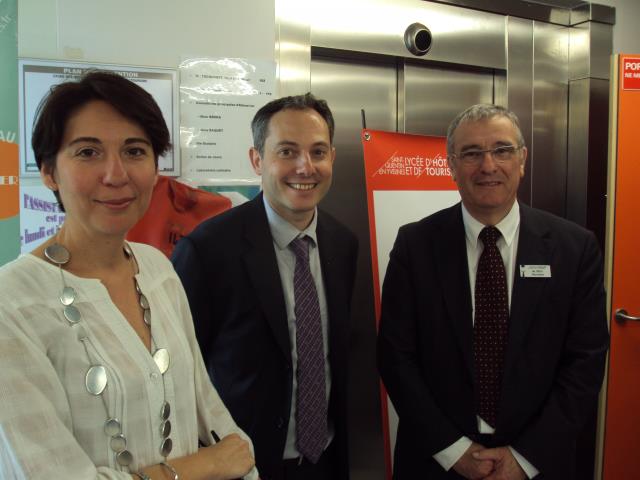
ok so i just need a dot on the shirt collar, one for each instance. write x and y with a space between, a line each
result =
508 226
283 232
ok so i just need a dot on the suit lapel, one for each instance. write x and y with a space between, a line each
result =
327 249
535 247
331 272
451 263
262 268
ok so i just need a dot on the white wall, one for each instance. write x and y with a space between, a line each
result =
145 32
160 32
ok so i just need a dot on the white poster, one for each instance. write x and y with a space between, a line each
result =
218 99
40 216
36 77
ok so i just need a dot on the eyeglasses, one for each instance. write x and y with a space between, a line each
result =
501 154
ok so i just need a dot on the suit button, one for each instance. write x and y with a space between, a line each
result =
280 422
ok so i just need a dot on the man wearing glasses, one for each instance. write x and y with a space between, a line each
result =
493 330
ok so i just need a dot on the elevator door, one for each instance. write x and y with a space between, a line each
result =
434 95
396 95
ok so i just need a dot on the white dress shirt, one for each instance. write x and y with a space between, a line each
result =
507 244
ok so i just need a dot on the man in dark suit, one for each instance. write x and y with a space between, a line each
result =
492 341
269 284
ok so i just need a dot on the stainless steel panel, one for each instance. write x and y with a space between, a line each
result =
435 95
520 87
593 12
500 92
578 151
598 157
587 154
293 49
528 10
579 51
548 150
350 85
590 49
601 46
460 35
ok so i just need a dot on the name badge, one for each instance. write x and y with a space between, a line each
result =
535 271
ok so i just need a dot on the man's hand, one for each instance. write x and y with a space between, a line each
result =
472 468
505 466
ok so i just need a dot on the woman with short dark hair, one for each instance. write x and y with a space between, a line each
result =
101 373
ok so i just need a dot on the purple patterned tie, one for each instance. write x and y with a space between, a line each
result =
490 326
311 406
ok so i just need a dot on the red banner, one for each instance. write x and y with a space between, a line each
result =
407 178
174 211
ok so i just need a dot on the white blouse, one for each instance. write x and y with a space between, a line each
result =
50 426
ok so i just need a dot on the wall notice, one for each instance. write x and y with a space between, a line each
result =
218 99
36 77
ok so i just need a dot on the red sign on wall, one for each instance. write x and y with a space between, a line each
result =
631 73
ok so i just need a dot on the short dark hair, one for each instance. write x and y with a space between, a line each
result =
260 122
482 111
64 99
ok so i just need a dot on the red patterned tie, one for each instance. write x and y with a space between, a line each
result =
490 326
311 406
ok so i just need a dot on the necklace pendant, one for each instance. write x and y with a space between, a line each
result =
165 428
146 316
144 303
112 427
162 359
57 254
96 380
165 410
118 443
68 296
166 447
124 458
72 314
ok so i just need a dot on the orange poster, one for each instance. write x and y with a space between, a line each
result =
8 180
407 179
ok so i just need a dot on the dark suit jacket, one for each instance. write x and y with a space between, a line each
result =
230 273
555 354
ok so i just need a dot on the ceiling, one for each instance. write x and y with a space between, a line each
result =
557 3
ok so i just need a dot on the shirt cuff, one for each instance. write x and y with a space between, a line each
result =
450 455
529 469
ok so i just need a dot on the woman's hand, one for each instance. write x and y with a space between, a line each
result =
230 458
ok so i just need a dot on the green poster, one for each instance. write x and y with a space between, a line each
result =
9 163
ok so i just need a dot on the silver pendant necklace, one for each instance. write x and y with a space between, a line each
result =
96 378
